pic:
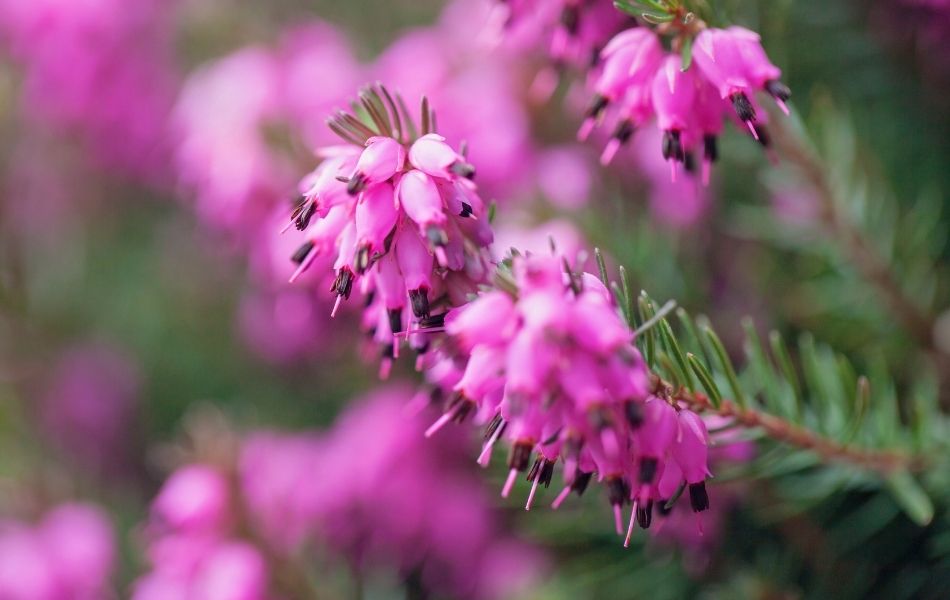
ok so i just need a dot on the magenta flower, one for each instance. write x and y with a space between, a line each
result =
69 555
101 70
88 407
223 154
401 217
635 81
680 524
570 32
553 370
194 499
193 543
329 488
734 62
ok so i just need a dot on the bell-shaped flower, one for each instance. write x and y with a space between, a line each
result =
382 158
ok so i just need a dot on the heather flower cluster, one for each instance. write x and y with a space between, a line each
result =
637 82
400 216
193 543
571 32
548 362
372 491
115 90
70 554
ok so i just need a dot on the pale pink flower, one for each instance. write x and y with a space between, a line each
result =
69 555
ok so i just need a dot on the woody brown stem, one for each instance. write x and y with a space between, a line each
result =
882 461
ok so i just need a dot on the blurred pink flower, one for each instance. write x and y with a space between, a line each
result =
69 555
99 68
225 153
383 496
88 407
795 204
477 96
634 80
699 536
565 175
537 239
681 203
192 543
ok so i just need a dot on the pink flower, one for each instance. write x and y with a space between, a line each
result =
81 546
88 406
102 70
636 81
382 158
193 543
552 370
223 153
674 94
445 530
70 554
195 498
733 60
414 230
233 571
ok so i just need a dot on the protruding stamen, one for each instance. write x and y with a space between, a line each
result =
419 298
356 184
633 410
633 521
385 368
645 514
581 481
519 456
561 497
780 92
610 151
586 128
463 169
648 468
509 483
618 519
336 306
303 266
751 126
441 421
485 456
534 489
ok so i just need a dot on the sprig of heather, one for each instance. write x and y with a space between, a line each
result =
547 362
656 62
397 209
242 520
710 76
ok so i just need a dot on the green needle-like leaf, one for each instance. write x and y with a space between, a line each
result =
726 364
912 498
706 380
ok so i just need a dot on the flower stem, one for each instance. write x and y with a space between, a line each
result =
881 461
